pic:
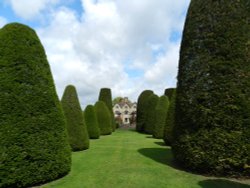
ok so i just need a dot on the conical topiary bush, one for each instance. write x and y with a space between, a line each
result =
103 117
105 95
91 122
77 130
213 92
33 145
161 110
141 110
150 114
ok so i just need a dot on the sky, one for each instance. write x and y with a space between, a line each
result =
126 45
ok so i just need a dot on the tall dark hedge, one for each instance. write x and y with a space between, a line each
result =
141 110
150 114
213 93
33 139
161 110
170 121
169 92
103 117
91 122
105 95
77 130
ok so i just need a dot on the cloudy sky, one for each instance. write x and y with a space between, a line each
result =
126 45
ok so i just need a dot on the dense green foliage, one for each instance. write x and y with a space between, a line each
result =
213 93
91 122
150 114
161 110
141 110
170 121
169 92
77 130
106 96
103 117
33 139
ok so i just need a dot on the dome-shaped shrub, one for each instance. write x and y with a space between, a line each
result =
33 140
77 130
141 110
103 117
161 110
91 122
213 93
106 96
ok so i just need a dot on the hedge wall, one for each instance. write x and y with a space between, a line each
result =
213 93
150 114
141 110
33 144
161 110
105 95
170 121
91 122
104 118
77 130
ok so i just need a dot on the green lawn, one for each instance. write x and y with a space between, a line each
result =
132 160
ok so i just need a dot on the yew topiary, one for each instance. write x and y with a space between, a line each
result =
170 121
150 114
161 110
213 92
77 130
33 145
141 109
91 122
105 95
103 117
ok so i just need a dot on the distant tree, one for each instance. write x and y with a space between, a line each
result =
212 129
150 114
91 122
141 109
170 121
106 96
117 100
77 130
33 141
161 110
103 117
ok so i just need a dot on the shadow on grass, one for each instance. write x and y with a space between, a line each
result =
160 155
160 143
221 183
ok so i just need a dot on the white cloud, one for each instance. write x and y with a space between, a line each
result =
110 37
30 9
3 21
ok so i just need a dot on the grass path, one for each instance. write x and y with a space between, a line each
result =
127 159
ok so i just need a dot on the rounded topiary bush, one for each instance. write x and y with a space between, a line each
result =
77 130
33 145
103 117
150 114
91 122
213 92
105 95
141 110
170 121
161 110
